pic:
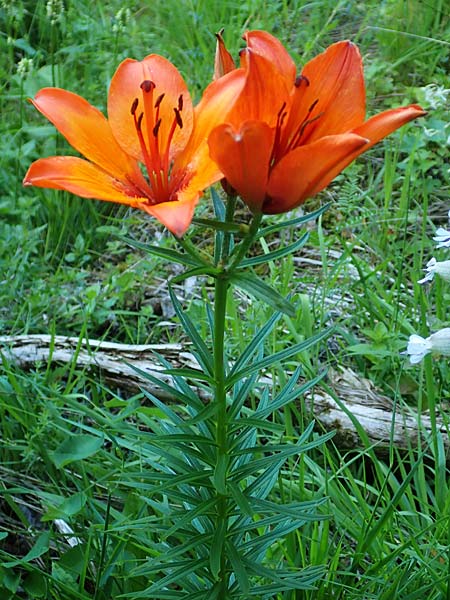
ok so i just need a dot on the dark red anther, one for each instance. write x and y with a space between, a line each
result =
156 128
313 106
134 106
139 121
178 118
180 102
300 79
159 99
147 85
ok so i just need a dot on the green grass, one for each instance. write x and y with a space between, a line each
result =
64 270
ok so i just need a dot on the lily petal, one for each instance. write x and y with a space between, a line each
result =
265 91
177 215
336 80
267 46
378 127
126 87
309 169
244 158
87 130
82 178
217 100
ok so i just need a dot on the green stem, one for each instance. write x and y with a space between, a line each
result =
220 302
219 562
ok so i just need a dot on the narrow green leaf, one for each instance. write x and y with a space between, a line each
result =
189 515
288 395
195 272
166 253
204 354
215 553
189 399
278 357
261 259
238 567
256 343
257 288
262 424
270 229
218 204
76 447
188 373
220 474
240 499
221 225
177 572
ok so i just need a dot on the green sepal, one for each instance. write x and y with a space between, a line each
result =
254 286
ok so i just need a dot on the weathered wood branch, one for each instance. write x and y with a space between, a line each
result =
351 406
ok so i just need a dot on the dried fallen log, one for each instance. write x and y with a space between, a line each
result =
352 404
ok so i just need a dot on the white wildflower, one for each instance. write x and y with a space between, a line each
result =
434 267
436 95
442 237
437 343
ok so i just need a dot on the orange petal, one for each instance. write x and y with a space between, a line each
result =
86 129
269 47
244 159
125 88
336 81
308 169
223 62
80 177
379 126
217 101
177 215
264 93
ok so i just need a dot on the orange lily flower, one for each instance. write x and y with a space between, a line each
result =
288 136
151 122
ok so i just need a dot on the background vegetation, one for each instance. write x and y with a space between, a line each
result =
64 270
